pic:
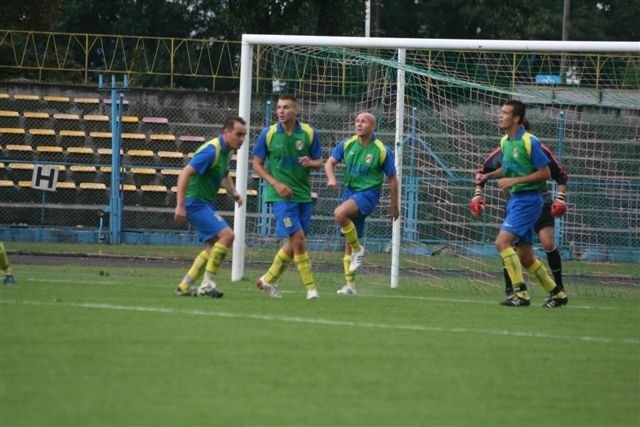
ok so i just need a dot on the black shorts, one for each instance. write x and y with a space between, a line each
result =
545 220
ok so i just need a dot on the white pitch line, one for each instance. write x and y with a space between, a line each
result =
329 322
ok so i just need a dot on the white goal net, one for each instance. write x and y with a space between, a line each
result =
436 102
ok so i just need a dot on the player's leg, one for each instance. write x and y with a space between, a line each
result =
540 275
5 267
218 248
349 287
344 215
522 211
197 213
299 244
283 257
511 263
554 259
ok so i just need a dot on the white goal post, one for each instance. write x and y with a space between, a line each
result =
401 46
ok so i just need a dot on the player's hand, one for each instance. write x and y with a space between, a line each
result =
180 215
305 161
477 205
559 205
332 184
480 178
283 190
238 198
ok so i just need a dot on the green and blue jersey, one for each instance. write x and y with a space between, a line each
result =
211 162
365 166
521 157
281 153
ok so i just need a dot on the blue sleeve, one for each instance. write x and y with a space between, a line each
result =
203 159
389 164
316 147
338 151
538 158
260 149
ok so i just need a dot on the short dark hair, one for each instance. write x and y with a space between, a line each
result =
288 97
230 122
519 109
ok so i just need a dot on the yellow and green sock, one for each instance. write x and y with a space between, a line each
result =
304 268
351 236
195 272
280 264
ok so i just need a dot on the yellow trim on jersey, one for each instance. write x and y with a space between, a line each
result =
216 143
274 128
526 137
379 145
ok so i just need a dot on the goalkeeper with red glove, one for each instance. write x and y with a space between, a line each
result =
552 209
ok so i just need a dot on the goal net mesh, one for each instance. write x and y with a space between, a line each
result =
585 107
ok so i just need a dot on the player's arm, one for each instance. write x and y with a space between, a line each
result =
314 161
259 168
560 176
230 186
180 214
393 186
559 205
330 171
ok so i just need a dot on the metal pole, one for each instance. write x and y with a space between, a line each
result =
558 230
242 168
396 238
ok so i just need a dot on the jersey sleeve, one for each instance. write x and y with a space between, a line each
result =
558 173
202 160
316 147
260 149
492 162
338 151
389 165
538 158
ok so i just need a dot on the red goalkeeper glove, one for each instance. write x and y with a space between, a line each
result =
559 205
477 204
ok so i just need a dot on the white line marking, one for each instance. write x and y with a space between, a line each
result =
329 322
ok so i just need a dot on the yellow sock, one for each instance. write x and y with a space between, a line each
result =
5 267
351 235
349 276
513 266
540 275
304 268
278 267
216 256
195 272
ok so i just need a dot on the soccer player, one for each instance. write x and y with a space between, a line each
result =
198 185
5 267
524 172
367 161
284 156
544 227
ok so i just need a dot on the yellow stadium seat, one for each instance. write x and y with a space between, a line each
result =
56 98
71 138
12 135
9 119
19 152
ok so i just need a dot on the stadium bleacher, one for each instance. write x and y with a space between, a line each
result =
75 134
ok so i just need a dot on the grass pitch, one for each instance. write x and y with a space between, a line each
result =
105 346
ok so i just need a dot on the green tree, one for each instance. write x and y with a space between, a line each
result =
27 16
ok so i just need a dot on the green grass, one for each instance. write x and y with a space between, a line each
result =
80 348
